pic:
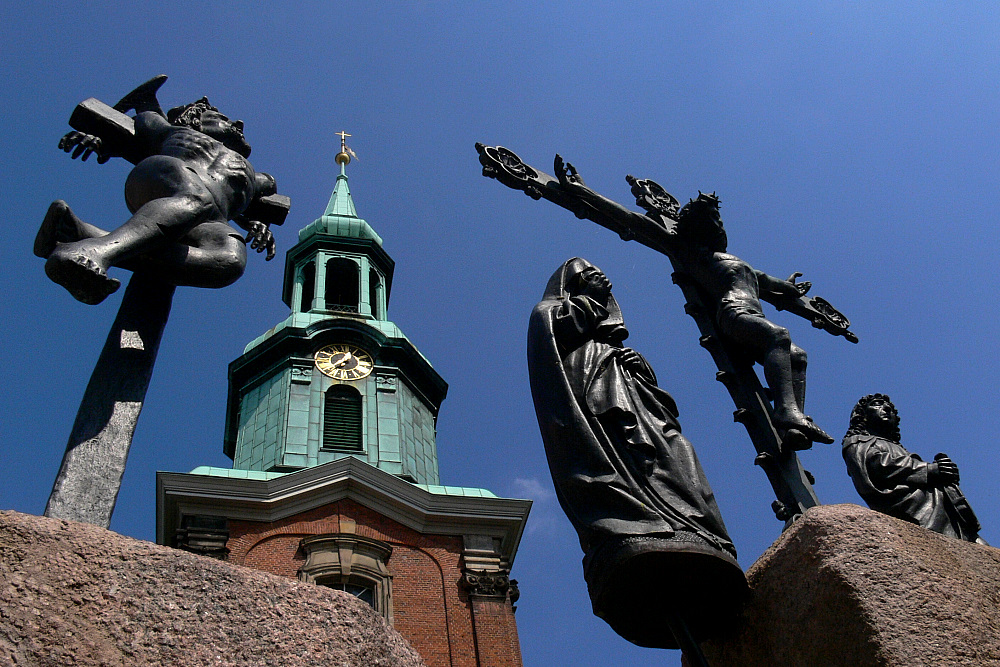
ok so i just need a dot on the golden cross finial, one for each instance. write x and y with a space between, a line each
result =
343 139
345 154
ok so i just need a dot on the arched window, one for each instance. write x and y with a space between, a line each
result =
374 289
365 593
343 289
352 563
308 287
342 420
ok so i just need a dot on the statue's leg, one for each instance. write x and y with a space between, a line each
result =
213 254
772 345
799 361
168 199
61 225
777 362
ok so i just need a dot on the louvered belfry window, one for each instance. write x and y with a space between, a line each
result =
342 420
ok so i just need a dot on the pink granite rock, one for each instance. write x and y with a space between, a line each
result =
75 594
848 586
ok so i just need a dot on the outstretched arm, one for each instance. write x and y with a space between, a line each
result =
572 183
567 190
776 290
598 208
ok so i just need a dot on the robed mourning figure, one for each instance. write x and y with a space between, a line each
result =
895 482
655 545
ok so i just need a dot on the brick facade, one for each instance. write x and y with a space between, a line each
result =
440 619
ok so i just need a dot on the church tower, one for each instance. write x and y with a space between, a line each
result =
336 378
331 424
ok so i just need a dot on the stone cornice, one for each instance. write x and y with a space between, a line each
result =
180 494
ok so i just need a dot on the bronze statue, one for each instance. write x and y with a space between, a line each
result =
699 241
723 295
895 482
656 548
191 177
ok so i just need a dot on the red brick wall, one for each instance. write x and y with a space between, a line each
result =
496 633
429 609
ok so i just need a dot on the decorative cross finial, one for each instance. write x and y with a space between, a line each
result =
345 154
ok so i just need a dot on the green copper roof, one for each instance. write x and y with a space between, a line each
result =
340 217
304 320
264 476
340 201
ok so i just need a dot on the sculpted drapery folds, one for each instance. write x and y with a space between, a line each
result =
895 482
614 445
655 546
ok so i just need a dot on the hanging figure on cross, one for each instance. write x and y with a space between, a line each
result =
697 239
191 178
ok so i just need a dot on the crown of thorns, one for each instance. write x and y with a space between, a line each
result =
704 201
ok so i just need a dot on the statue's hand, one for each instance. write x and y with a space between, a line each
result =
568 177
83 144
260 238
801 289
633 361
942 472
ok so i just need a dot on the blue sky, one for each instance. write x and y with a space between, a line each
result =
854 143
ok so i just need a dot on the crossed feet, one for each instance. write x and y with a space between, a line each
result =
60 241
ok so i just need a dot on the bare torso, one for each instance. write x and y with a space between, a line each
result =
731 282
184 161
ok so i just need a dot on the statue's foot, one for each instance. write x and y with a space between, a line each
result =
806 427
816 434
794 440
59 226
80 274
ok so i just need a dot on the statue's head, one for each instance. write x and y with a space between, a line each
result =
876 415
589 281
200 115
699 221
578 277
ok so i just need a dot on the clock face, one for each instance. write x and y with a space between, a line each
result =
344 362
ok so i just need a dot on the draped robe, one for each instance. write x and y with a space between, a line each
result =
893 481
620 465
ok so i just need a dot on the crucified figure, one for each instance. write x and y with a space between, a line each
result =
734 289
191 178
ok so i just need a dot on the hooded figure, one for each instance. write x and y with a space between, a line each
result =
653 539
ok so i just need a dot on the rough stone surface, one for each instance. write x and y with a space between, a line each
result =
75 594
848 586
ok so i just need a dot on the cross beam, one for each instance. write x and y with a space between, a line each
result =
775 448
